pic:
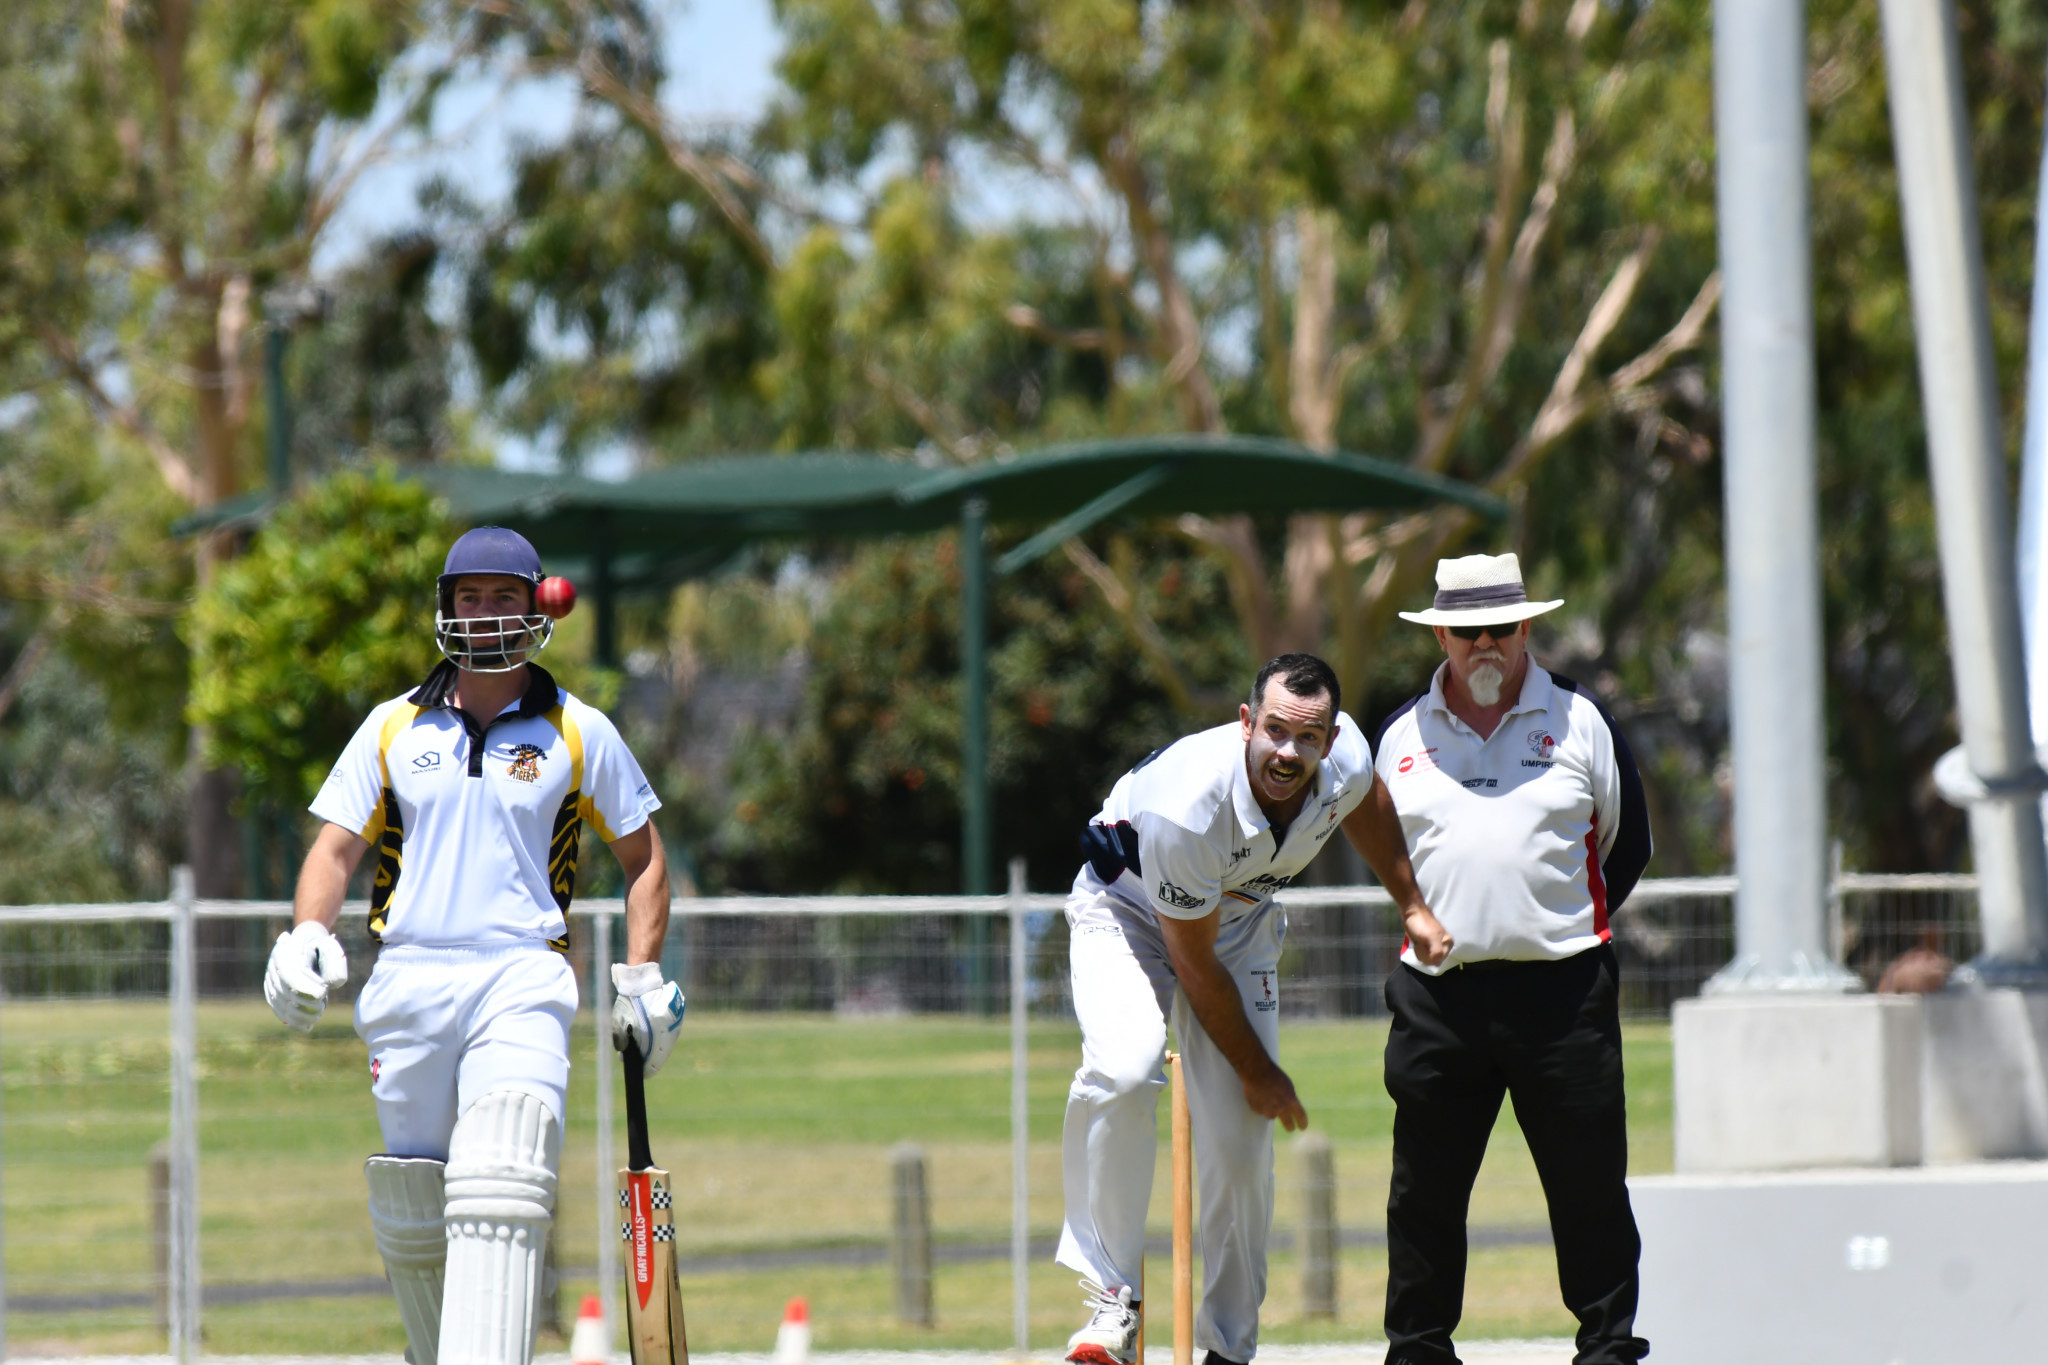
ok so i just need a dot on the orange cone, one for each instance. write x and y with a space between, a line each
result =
793 1338
590 1344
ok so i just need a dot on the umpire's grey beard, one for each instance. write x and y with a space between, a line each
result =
1483 682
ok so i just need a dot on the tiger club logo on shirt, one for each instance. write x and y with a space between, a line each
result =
525 763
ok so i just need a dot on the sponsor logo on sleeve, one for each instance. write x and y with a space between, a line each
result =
1264 1001
1178 898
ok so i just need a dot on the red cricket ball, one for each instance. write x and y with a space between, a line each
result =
555 596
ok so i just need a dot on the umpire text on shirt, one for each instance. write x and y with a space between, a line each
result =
1525 822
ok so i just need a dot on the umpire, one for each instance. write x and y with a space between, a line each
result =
1525 823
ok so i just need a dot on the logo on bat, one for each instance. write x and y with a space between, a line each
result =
639 1216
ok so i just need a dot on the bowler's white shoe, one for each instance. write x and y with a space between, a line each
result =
1111 1336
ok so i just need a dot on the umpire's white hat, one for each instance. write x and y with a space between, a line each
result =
1480 590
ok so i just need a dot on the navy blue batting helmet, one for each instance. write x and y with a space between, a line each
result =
492 549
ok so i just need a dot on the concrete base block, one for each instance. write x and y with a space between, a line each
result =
1788 1082
1984 1090
1915 1267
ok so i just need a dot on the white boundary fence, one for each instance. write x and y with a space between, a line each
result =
182 912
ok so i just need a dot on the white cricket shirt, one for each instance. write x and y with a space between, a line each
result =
1526 841
1182 833
477 831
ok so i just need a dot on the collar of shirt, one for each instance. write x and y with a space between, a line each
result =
439 690
1535 696
1250 817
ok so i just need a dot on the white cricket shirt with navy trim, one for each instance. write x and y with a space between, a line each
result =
477 831
1525 842
1182 834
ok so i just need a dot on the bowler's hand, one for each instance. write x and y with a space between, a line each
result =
1427 935
1271 1096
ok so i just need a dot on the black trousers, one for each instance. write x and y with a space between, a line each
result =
1549 1035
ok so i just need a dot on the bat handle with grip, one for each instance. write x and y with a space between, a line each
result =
638 1157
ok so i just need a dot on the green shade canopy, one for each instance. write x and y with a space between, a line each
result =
683 520
1209 474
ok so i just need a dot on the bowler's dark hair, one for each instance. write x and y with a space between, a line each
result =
1302 674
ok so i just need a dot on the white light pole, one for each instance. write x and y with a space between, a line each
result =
1966 463
1772 503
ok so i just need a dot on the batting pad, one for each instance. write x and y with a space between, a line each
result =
502 1161
407 1213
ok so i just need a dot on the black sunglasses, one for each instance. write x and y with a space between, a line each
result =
1498 632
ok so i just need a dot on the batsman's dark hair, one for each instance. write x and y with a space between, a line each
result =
1302 674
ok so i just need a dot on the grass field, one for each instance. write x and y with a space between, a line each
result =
776 1128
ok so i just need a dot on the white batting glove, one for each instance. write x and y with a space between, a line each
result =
303 965
647 1010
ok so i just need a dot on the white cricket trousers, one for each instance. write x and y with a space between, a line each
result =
1124 990
446 1026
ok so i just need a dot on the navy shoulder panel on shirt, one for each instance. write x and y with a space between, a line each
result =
1379 740
1623 866
1110 849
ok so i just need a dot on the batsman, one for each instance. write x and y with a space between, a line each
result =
474 790
1172 917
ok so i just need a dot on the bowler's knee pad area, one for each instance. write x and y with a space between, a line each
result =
502 1163
408 1210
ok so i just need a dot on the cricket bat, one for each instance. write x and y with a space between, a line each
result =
654 1299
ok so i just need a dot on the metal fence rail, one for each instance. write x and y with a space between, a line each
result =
118 1008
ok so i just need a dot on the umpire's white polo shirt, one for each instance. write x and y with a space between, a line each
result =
1526 841
1182 834
477 830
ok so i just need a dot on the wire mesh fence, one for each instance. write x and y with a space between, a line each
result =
824 1034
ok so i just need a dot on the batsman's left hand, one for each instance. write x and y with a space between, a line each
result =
647 1010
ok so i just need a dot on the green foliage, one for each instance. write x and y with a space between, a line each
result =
89 811
329 613
90 795
864 796
348 43
373 377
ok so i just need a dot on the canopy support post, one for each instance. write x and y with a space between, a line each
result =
974 804
601 588
1086 516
